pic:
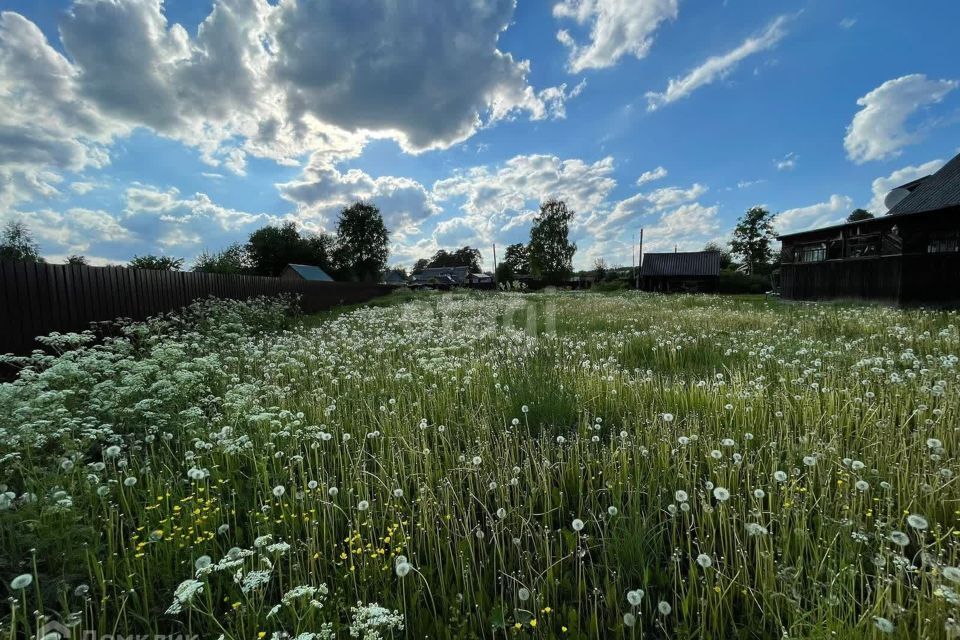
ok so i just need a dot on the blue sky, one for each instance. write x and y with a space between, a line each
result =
136 126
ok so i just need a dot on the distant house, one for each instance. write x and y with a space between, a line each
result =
909 256
395 277
680 271
305 272
441 275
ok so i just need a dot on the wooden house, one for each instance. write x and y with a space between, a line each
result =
910 256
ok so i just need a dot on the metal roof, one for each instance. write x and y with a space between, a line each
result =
310 272
684 263
939 191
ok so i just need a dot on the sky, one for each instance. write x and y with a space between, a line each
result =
130 127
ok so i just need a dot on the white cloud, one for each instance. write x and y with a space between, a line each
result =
617 28
787 162
882 186
83 187
879 130
716 67
650 176
847 23
822 214
73 230
322 191
257 78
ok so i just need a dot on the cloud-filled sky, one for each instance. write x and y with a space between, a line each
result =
141 126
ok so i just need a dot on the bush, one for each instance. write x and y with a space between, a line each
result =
736 282
611 285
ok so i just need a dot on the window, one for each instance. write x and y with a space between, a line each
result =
812 252
943 242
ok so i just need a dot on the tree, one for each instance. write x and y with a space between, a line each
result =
156 263
462 257
752 238
517 257
859 214
420 265
361 248
551 252
233 259
270 249
77 260
725 258
600 269
17 243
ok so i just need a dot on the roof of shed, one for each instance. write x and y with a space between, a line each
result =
685 263
310 272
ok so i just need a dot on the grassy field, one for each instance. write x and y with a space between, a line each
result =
491 466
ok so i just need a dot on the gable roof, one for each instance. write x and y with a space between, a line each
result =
310 272
938 191
686 263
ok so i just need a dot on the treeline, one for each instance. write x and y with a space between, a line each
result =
356 252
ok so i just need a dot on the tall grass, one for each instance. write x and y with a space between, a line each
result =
490 466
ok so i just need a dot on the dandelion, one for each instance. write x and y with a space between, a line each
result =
934 443
862 485
704 561
629 619
952 574
918 522
809 461
635 597
668 417
525 409
501 513
363 505
278 491
780 476
398 493
577 524
202 563
884 625
112 451
21 582
403 568
899 538
759 494
721 494
523 594
313 484
756 529
332 492
129 481
664 607
477 460
680 495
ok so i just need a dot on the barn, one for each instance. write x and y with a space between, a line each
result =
680 271
911 256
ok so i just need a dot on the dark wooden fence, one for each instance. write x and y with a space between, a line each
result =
37 299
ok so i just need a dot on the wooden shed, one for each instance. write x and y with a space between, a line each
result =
680 271
910 256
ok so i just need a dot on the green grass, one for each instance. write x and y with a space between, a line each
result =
436 454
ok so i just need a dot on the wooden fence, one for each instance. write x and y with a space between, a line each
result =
38 299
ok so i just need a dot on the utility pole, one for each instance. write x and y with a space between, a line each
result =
633 253
640 261
494 263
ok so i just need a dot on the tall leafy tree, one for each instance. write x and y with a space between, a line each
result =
156 263
859 214
421 264
17 243
77 260
551 252
462 257
361 248
271 248
753 238
517 258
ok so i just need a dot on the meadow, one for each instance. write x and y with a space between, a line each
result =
499 465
